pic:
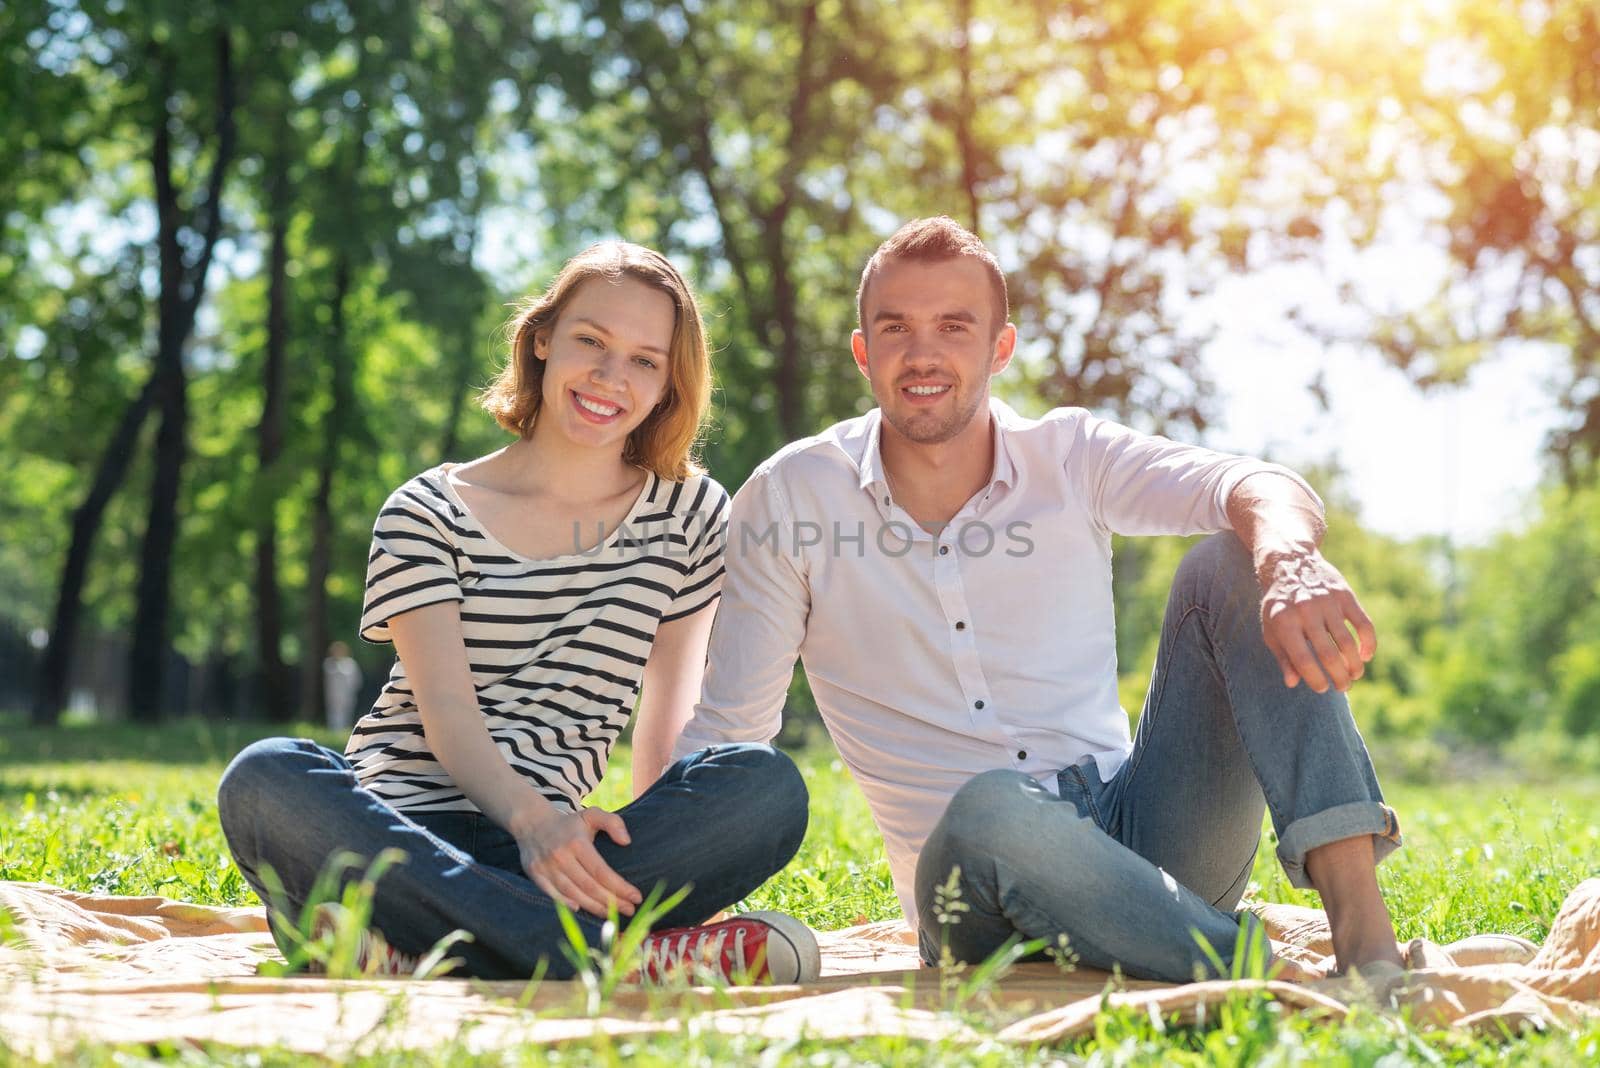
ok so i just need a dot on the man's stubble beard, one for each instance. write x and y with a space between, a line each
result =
928 429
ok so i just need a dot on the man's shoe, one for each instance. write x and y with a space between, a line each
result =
756 947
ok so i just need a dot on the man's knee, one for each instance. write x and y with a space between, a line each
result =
1218 566
986 800
985 819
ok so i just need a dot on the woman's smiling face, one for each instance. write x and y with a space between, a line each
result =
606 360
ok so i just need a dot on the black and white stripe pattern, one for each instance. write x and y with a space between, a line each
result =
557 647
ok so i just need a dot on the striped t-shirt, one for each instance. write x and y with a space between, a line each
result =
557 646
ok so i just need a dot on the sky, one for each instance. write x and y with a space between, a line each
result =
1465 461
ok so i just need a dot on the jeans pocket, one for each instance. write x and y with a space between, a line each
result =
1075 787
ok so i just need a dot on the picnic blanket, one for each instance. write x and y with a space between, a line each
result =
79 967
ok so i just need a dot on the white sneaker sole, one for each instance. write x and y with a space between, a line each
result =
792 952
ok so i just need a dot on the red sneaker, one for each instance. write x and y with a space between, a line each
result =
754 947
375 957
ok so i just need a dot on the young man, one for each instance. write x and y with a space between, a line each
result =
943 567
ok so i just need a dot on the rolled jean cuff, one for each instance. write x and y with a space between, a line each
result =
1334 825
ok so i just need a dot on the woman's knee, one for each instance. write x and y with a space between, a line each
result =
255 776
773 786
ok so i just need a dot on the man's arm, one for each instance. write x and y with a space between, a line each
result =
766 601
1307 608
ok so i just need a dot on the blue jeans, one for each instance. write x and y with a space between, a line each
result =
1132 869
720 821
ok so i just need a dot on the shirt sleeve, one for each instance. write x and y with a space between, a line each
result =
705 527
412 562
760 625
1141 484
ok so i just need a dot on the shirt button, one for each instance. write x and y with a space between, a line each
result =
961 624
1022 754
886 502
944 549
977 704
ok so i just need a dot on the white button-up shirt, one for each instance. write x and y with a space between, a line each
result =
933 658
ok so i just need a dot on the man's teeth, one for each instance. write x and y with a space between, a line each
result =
925 391
597 409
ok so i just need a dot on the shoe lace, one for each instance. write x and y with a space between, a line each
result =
696 946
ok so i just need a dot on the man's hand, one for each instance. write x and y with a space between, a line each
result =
558 854
1307 614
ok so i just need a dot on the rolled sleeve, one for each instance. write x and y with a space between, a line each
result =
1238 472
1143 484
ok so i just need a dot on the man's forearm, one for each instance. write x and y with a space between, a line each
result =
1278 521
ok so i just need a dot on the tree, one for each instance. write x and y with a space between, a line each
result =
1483 137
155 75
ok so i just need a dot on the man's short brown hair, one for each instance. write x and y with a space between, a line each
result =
930 240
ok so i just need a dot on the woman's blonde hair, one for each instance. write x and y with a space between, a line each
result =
665 442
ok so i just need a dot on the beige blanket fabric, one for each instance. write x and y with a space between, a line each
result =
80 968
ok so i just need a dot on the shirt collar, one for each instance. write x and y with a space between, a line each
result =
870 462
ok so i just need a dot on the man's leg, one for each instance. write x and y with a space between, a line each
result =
1221 735
292 804
1131 870
1041 867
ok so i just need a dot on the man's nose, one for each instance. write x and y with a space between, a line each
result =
920 350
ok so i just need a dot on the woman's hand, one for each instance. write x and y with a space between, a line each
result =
558 854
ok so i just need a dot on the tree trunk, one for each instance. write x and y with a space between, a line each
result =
790 380
51 695
147 668
314 643
966 110
274 692
183 285
460 387
786 315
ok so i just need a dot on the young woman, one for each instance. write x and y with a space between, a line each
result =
529 595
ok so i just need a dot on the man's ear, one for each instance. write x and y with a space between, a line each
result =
858 349
1005 346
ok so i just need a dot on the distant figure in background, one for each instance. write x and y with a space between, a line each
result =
341 682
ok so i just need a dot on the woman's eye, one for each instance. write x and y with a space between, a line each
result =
645 361
585 339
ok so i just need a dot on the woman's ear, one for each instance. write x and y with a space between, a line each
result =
541 343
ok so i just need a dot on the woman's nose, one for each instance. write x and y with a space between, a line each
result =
605 368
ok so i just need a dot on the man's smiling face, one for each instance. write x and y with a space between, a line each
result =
929 342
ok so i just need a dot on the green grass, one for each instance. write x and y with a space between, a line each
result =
129 811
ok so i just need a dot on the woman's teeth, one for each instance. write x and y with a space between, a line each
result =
596 408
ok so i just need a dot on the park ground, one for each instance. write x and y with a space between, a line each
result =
132 811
